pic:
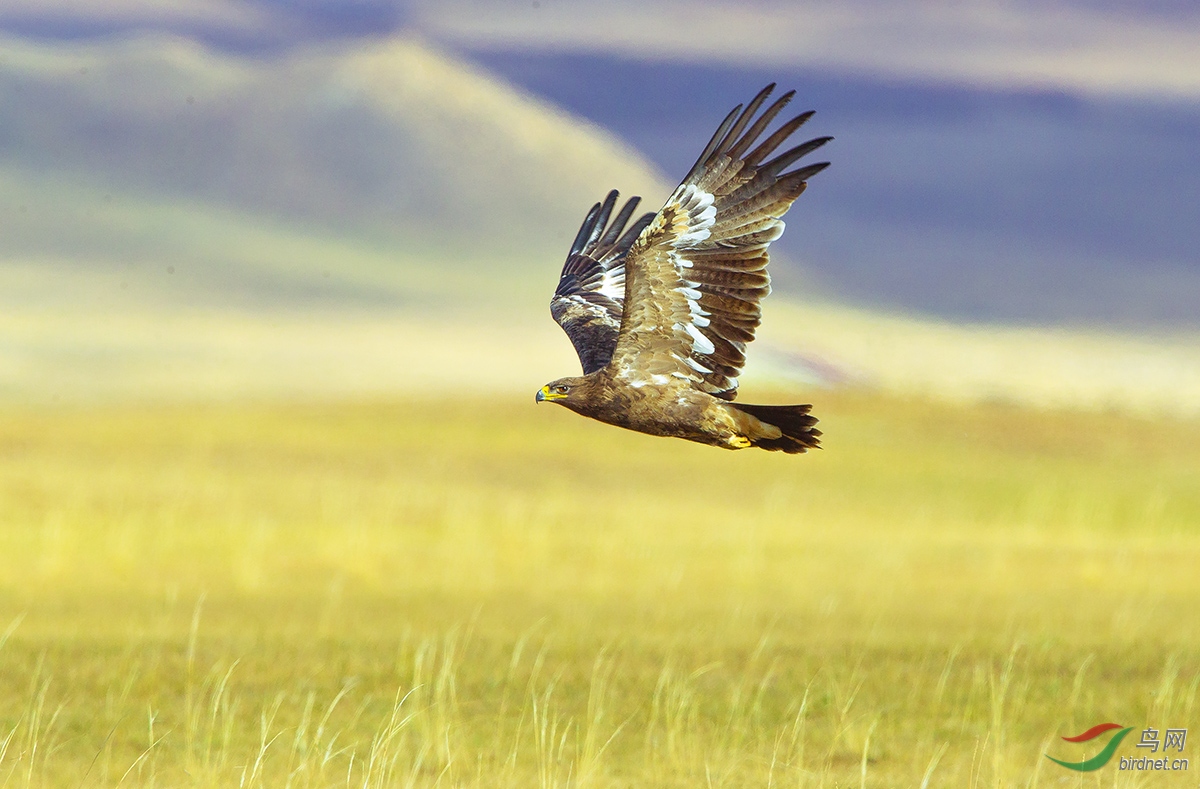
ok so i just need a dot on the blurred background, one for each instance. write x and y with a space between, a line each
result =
251 197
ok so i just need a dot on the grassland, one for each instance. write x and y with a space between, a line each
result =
478 592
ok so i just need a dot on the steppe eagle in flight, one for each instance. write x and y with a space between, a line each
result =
660 310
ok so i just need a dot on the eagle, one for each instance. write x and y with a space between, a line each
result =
660 309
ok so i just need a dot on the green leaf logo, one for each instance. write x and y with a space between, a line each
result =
1100 759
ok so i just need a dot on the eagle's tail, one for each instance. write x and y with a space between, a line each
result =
797 425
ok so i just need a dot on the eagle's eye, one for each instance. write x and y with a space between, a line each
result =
561 389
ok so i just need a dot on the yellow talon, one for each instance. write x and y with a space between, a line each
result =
738 442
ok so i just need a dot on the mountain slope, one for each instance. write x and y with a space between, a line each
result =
395 146
343 222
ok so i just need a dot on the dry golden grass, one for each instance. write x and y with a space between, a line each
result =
475 593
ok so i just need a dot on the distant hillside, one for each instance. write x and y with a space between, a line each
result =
306 173
176 223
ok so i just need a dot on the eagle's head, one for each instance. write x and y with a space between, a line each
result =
564 391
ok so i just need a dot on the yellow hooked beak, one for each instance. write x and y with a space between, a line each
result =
545 393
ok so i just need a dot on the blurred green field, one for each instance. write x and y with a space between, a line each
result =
478 592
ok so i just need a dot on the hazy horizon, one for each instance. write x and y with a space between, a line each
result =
411 185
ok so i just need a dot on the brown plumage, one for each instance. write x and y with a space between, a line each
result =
660 310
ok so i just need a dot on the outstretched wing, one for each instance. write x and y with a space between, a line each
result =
696 274
591 288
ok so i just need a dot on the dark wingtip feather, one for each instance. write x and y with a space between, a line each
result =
785 159
752 134
804 173
585 230
618 224
777 138
730 138
601 220
714 143
634 230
